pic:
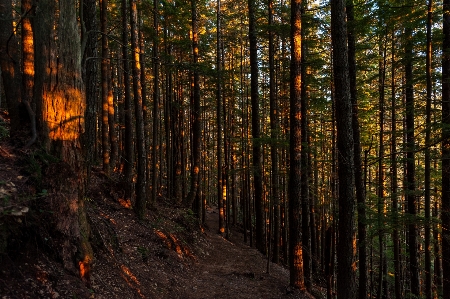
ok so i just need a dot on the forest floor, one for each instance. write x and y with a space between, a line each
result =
169 255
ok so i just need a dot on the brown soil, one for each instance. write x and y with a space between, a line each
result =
169 255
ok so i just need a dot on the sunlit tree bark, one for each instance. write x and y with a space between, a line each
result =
295 238
28 66
63 105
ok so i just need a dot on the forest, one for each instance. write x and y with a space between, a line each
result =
319 130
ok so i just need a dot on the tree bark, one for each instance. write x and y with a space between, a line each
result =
9 63
63 108
141 159
359 184
105 87
427 186
346 279
274 132
445 216
155 98
219 121
195 112
304 167
90 76
256 130
28 66
297 279
394 178
128 140
410 167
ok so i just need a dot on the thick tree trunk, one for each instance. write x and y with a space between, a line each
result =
63 108
359 184
346 280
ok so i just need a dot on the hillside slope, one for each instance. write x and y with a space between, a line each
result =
169 255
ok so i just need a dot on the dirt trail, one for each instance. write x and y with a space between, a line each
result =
232 269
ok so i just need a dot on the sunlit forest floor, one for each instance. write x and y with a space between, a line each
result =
169 255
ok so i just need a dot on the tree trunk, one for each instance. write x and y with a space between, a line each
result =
346 280
177 148
274 131
63 105
304 168
380 188
394 178
9 63
359 184
195 112
445 216
427 186
90 68
155 98
410 167
105 87
297 279
128 140
219 120
28 66
141 159
256 130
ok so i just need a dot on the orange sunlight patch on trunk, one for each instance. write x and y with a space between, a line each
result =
85 268
64 114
